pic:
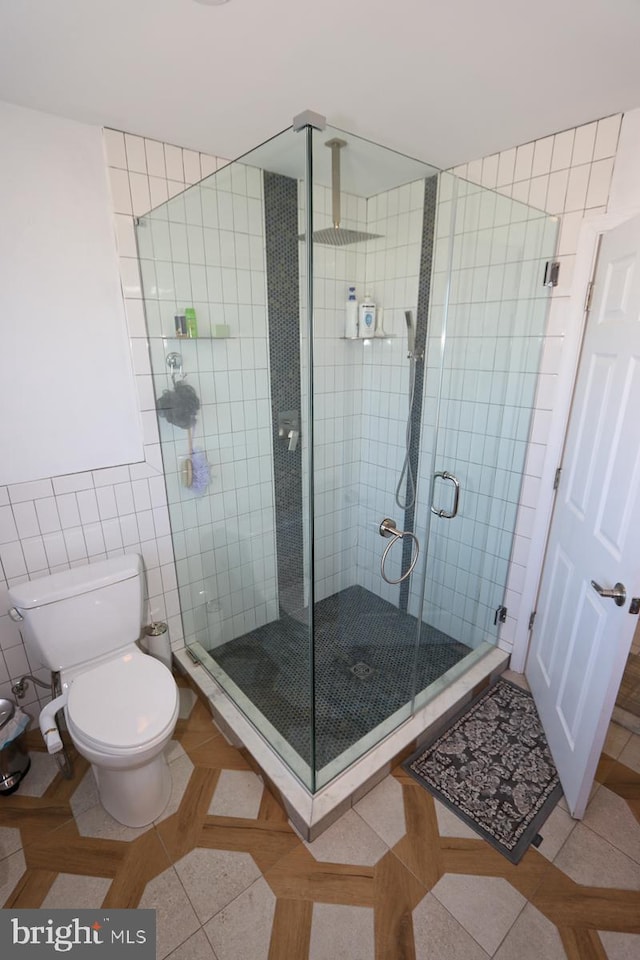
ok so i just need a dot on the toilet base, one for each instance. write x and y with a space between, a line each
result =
136 796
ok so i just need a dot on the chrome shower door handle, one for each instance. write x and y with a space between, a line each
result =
445 475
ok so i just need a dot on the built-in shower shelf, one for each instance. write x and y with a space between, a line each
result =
206 336
390 336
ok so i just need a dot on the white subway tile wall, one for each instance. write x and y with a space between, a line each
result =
205 249
568 176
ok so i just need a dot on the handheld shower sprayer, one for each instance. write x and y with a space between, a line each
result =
407 499
411 332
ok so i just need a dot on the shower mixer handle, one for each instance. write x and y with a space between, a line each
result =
388 528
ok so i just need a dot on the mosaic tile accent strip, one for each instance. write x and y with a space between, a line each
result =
283 307
422 323
364 669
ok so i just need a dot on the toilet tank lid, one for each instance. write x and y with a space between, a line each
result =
71 583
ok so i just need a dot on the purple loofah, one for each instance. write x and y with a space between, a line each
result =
200 471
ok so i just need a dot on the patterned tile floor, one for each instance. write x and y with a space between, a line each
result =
398 877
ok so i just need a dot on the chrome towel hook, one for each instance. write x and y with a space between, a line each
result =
388 528
174 362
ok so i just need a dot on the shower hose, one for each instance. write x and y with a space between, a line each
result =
407 470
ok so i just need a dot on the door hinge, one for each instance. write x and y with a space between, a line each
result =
551 273
589 296
532 619
556 479
501 616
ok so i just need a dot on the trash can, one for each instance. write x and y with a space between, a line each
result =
14 759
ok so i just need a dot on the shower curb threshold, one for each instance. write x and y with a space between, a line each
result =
311 814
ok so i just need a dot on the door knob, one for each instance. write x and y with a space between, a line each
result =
619 593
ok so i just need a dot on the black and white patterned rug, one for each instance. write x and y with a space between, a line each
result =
493 768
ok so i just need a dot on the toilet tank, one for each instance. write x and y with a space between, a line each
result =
80 614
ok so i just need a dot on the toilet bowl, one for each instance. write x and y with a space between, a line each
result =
120 705
121 715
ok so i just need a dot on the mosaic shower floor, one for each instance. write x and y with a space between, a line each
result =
365 659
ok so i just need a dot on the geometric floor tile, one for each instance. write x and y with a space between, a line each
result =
487 907
213 878
590 860
181 770
11 869
532 937
242 930
610 817
10 841
175 917
73 892
340 931
620 946
85 795
395 877
438 935
238 793
450 825
383 809
197 947
348 840
630 755
96 822
186 702
555 831
41 774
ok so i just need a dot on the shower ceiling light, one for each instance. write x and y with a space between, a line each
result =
211 3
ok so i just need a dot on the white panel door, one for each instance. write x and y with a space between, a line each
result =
581 639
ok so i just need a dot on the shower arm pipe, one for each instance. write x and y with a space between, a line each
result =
336 146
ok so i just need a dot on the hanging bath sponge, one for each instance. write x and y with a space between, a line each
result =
179 406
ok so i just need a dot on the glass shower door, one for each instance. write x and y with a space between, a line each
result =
488 315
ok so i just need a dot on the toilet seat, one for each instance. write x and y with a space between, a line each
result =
123 705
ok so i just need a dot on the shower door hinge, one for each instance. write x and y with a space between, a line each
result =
551 273
501 616
556 479
532 619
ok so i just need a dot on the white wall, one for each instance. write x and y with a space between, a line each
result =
60 521
66 390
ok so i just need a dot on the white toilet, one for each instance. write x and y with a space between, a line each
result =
121 705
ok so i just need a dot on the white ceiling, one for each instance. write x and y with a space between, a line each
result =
445 82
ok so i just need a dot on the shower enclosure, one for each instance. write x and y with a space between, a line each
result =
342 509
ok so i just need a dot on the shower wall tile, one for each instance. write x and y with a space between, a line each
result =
569 178
60 522
204 250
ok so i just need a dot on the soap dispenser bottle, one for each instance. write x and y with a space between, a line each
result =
351 316
367 318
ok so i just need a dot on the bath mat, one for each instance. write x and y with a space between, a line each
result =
493 768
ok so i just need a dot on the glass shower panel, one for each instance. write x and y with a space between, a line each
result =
364 637
228 248
488 313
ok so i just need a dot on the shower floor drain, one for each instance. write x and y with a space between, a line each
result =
362 670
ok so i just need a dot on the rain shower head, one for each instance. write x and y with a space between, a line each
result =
337 236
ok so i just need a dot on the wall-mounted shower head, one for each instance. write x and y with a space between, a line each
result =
411 332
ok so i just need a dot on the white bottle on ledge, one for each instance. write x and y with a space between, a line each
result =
367 318
351 316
